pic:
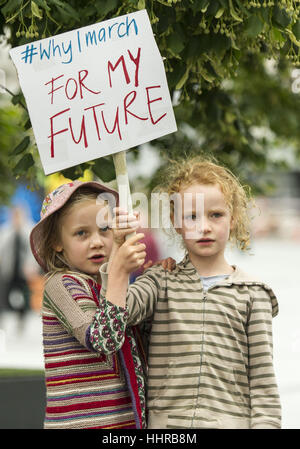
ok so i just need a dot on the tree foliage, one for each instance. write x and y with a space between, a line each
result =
9 132
215 58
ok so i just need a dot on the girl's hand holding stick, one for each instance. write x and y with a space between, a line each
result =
126 257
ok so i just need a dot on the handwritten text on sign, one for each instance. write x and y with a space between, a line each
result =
95 91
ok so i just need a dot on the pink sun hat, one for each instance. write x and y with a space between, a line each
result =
52 203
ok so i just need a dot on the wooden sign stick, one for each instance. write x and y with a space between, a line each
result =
123 183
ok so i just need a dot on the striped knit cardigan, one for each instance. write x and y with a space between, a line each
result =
94 365
210 362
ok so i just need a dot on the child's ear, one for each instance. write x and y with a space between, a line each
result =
232 223
178 230
57 248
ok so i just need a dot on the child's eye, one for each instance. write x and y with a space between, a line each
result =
217 215
191 217
104 228
81 233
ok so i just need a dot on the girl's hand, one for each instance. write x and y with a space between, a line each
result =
124 225
168 264
131 255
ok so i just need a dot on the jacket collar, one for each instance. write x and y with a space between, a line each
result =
238 277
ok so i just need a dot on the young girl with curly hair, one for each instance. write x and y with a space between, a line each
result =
210 350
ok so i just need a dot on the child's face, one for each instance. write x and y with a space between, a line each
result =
85 244
206 233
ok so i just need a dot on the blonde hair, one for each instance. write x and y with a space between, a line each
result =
54 260
182 173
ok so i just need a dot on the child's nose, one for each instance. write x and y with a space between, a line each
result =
96 241
206 227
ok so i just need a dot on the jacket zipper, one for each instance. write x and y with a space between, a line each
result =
201 357
201 350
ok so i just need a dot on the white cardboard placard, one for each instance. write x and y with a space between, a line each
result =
95 91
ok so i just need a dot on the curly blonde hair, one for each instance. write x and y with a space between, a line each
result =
184 172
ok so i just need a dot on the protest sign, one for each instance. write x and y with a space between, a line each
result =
95 91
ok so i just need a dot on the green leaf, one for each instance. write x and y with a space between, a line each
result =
296 30
21 147
184 78
292 38
277 35
175 76
141 4
71 173
230 117
175 43
10 7
254 26
204 9
233 13
213 8
220 43
43 4
24 164
105 7
200 5
104 169
204 73
27 124
242 8
165 3
194 48
66 10
219 13
16 99
281 17
36 11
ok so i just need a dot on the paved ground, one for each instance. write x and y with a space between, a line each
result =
277 262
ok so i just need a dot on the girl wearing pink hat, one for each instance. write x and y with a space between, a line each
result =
94 364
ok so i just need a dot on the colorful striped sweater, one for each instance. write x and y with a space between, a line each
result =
94 367
210 362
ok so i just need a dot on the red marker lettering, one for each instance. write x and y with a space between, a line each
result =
113 68
95 117
82 132
53 134
152 101
126 106
75 89
137 65
116 124
81 85
52 86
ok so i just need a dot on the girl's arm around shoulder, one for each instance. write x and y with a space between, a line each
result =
142 295
127 256
74 299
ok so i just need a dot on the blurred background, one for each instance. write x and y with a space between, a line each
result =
249 121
